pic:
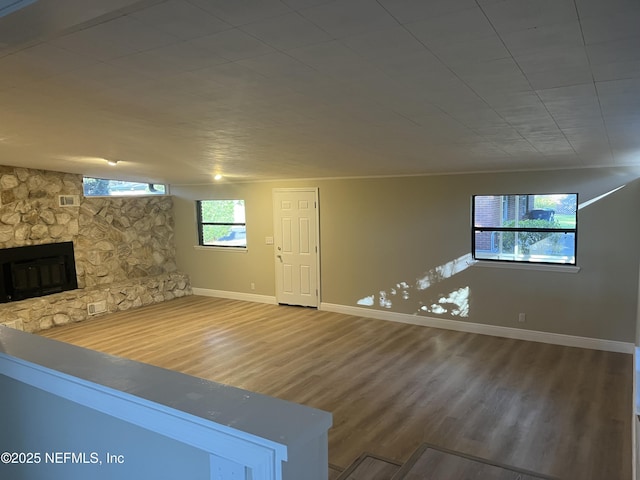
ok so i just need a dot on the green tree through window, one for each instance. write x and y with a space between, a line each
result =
222 223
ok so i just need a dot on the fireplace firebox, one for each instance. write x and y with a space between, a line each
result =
36 270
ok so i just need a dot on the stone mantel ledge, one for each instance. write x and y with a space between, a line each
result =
41 313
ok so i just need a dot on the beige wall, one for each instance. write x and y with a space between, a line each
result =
377 233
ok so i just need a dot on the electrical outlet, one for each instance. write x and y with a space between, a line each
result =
253 286
522 317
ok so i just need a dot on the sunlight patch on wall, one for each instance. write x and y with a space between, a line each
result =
600 197
383 301
367 301
455 303
445 271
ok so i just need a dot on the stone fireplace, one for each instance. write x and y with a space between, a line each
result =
36 270
123 249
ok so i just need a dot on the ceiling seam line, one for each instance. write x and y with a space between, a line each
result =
528 82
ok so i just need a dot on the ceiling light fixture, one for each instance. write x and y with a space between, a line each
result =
113 163
217 177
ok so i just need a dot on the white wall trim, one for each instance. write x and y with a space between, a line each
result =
544 267
457 325
634 421
496 331
213 248
247 297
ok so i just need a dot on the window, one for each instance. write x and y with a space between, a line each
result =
102 187
525 228
221 223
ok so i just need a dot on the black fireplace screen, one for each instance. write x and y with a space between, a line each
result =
36 270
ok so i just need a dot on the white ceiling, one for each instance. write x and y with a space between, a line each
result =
178 90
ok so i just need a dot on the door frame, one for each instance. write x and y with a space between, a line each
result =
315 191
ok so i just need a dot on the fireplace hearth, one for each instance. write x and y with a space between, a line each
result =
36 270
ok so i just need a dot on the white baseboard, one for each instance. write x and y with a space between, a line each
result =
496 331
247 297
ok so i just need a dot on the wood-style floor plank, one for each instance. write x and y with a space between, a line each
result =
434 464
369 467
559 411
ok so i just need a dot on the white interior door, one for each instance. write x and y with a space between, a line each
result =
296 246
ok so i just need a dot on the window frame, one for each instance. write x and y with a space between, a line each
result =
130 194
201 224
520 261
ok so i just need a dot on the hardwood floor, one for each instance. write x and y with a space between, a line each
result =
559 411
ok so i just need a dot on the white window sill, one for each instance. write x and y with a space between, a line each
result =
527 266
221 249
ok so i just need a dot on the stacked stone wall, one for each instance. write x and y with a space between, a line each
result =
41 313
121 238
29 211
123 246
